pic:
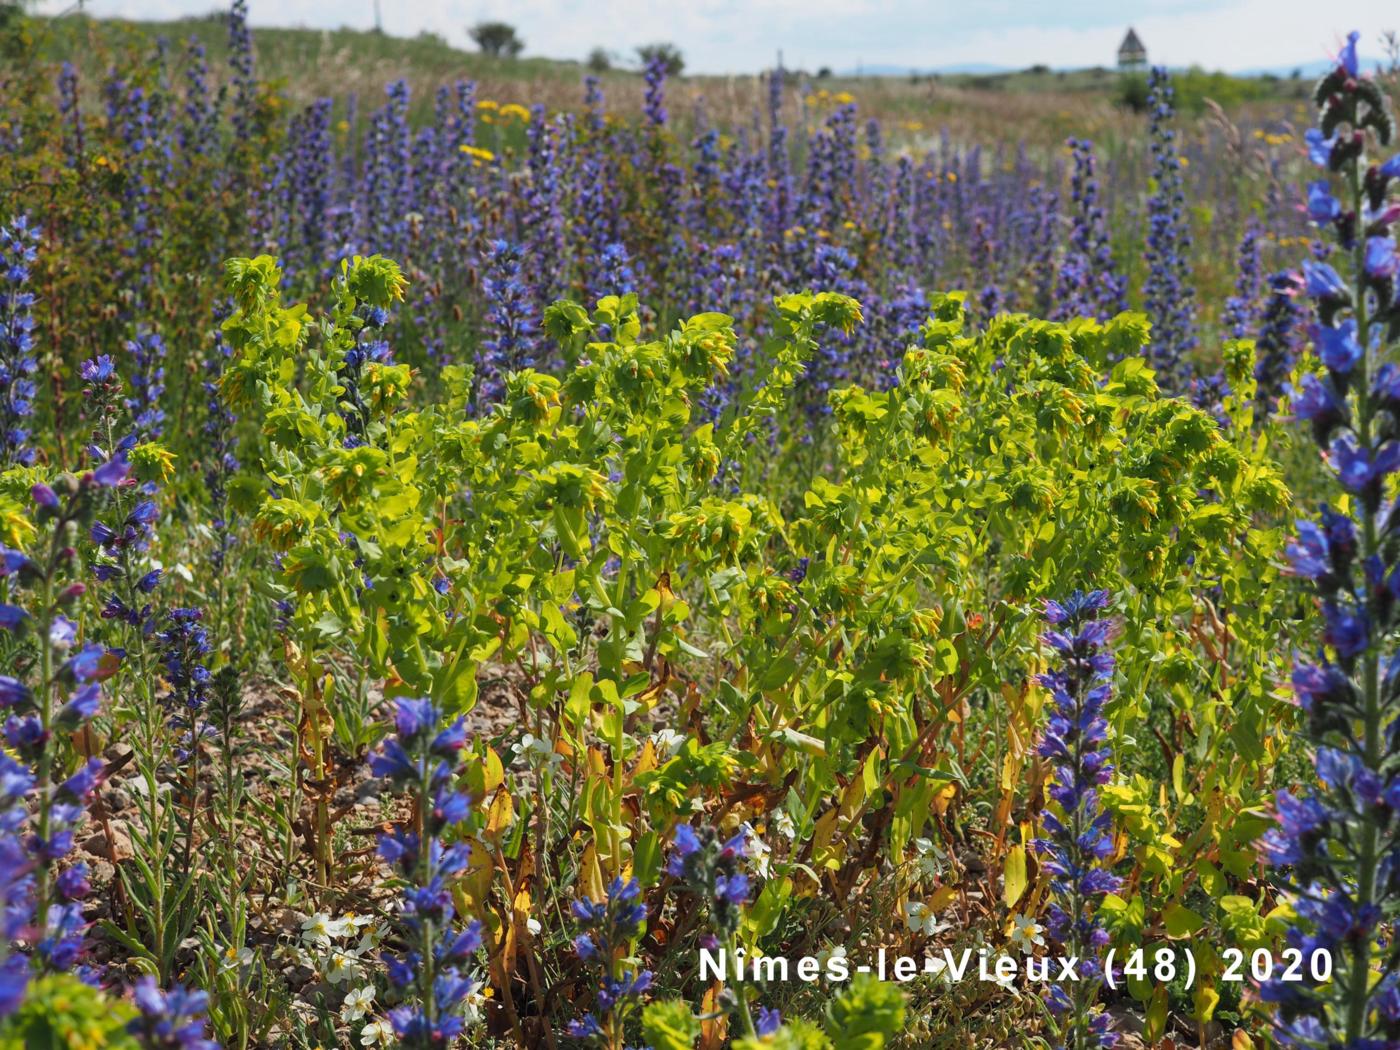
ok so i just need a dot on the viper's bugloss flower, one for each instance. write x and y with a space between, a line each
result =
44 798
1320 405
1078 838
712 868
510 326
1089 283
607 930
1168 289
18 361
172 1020
1242 308
424 755
1335 847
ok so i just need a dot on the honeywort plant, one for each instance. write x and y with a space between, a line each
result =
1336 846
1078 841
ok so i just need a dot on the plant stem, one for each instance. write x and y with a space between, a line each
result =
1360 967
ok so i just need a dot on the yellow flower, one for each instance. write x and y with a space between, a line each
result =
514 109
487 103
477 153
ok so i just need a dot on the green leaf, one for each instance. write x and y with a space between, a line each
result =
866 1015
670 1025
1181 921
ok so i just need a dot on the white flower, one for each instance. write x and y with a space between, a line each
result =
784 825
1025 933
931 861
762 855
343 968
370 940
377 1031
357 1001
237 959
667 742
533 925
920 918
321 928
474 1007
535 752
835 952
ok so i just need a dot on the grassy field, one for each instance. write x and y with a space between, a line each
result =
1038 106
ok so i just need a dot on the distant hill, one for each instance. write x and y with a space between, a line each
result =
964 69
1306 70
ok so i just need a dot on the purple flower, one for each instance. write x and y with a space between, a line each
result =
1074 861
13 692
768 1021
1361 471
112 473
1380 257
1319 404
1347 57
171 1020
1319 147
1079 604
1346 630
1323 282
1323 208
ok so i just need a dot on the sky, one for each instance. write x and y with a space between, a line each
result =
744 36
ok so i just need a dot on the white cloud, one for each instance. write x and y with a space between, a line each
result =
719 36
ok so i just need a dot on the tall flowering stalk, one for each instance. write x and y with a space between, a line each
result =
172 1020
1077 838
510 327
712 867
18 251
1088 283
184 645
1167 290
1337 844
607 930
43 791
1242 308
1274 343
424 756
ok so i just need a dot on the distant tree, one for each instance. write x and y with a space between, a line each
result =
13 38
1132 92
496 38
1039 69
824 73
600 60
668 53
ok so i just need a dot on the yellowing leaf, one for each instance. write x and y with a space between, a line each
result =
1014 876
1206 1000
500 816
